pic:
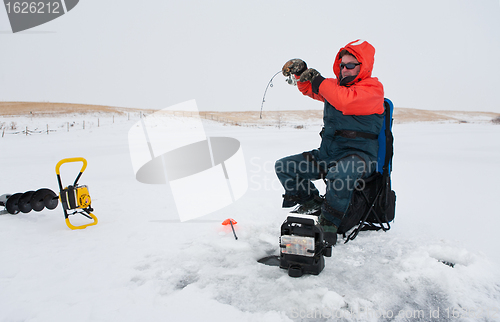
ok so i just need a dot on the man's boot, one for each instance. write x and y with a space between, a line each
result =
310 207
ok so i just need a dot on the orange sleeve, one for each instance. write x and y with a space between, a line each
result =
364 98
306 89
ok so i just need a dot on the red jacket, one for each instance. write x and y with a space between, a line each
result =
363 96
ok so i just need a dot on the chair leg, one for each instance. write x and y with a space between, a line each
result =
363 223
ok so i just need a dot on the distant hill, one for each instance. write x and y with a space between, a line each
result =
401 115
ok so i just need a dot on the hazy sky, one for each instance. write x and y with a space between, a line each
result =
436 54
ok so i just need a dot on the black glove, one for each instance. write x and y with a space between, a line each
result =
309 75
294 66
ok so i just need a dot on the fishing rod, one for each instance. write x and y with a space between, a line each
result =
290 80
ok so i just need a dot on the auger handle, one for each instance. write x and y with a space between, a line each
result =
68 160
72 227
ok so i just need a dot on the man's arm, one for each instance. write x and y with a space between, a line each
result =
363 98
306 89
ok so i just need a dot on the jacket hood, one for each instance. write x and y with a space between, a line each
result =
364 53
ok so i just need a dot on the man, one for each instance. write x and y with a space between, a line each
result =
353 117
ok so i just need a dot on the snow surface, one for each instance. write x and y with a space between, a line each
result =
140 263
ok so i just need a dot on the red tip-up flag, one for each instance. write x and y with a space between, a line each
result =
231 222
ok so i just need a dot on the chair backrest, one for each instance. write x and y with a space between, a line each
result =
385 140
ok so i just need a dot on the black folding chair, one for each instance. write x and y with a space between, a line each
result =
373 206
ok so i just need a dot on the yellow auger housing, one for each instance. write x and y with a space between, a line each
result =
75 197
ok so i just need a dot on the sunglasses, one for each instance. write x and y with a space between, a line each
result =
349 65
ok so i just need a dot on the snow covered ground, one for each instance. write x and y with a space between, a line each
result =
140 263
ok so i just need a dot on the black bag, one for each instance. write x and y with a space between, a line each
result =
372 207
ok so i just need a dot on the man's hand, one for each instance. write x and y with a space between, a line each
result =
309 75
294 66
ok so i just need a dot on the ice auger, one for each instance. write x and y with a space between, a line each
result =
75 199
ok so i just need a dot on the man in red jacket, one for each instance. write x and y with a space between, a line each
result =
353 117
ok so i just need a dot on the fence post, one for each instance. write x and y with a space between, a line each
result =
26 131
68 125
84 124
47 129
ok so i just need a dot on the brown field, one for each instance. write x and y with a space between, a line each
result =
47 109
401 115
